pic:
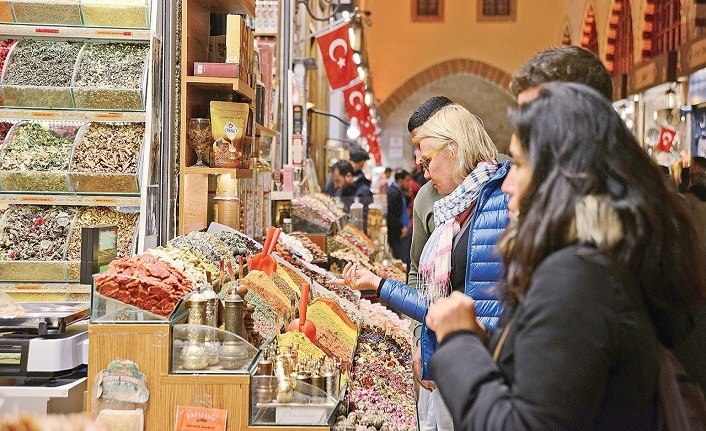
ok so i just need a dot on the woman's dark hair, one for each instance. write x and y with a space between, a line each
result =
578 145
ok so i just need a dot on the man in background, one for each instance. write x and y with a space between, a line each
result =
398 236
349 187
696 196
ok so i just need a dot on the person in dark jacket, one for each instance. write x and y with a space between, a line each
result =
349 188
593 282
398 236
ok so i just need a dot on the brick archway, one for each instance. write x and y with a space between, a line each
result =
438 71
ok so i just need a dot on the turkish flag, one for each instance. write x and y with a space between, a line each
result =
354 97
338 56
666 139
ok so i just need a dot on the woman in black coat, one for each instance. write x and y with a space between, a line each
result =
599 268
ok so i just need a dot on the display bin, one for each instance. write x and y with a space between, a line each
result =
6 12
116 13
100 179
35 271
55 180
310 405
106 309
26 96
208 350
59 12
106 97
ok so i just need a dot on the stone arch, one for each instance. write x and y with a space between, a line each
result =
441 70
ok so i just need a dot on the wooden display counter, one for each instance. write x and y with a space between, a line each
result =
149 346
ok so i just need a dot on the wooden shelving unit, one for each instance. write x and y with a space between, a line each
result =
196 93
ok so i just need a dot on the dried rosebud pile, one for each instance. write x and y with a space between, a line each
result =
145 282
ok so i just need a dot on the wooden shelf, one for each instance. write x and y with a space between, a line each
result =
238 173
63 32
59 199
261 130
71 115
222 84
246 7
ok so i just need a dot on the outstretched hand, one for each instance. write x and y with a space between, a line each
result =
357 278
454 313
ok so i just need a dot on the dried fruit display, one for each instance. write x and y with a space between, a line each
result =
109 76
191 264
36 232
315 250
5 45
144 282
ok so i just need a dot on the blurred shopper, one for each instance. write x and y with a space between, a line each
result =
398 236
593 281
358 156
383 182
349 187
696 196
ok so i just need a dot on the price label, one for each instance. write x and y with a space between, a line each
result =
28 286
43 114
113 33
110 116
105 201
37 199
46 30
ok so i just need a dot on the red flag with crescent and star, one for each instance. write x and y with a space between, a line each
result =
666 139
354 97
338 56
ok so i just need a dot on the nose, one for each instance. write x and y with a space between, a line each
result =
427 175
508 186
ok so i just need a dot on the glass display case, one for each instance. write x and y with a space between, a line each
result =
307 405
116 13
61 12
208 350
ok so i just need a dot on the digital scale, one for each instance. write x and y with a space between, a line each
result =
43 358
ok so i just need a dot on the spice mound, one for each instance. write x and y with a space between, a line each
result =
211 249
34 232
103 215
144 282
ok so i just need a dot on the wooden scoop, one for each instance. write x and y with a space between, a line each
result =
302 325
269 263
257 260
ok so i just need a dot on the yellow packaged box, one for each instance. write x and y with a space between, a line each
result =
236 40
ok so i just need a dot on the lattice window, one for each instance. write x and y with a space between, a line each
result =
667 28
623 55
496 7
496 10
427 10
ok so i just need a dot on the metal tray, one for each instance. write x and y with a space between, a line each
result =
46 317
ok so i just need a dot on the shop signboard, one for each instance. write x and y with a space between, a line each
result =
660 69
692 57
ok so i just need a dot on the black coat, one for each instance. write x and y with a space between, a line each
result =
395 206
581 354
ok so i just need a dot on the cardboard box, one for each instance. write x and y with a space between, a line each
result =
236 40
216 49
221 70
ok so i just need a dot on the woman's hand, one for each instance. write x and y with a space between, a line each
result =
454 313
417 369
357 278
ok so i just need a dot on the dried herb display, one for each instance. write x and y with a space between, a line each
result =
39 74
4 128
39 147
211 249
109 76
87 216
36 232
64 13
105 158
5 12
117 14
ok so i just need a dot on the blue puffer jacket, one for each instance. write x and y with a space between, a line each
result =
483 268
